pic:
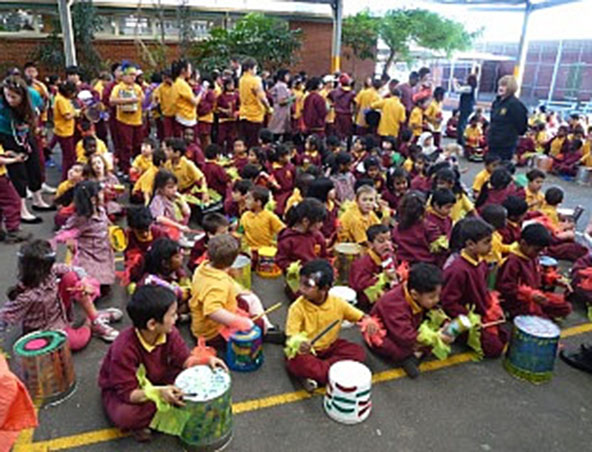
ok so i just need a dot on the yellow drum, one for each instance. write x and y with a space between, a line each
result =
266 266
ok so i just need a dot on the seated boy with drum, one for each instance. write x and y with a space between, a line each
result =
260 225
402 310
313 326
519 280
359 216
154 345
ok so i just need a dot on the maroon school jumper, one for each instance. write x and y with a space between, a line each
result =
329 228
401 319
392 198
511 232
138 247
421 183
580 294
196 155
343 101
10 205
295 246
117 377
314 113
216 177
413 244
364 273
284 176
465 283
227 130
521 270
205 107
568 165
566 249
436 227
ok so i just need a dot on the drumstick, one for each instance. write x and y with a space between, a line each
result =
267 311
497 322
325 331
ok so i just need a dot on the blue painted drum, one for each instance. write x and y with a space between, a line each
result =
533 348
244 351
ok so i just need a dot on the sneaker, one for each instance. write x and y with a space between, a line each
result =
410 366
17 236
48 189
143 435
274 336
101 329
310 385
110 315
581 359
29 194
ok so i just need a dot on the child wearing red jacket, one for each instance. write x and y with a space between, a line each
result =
410 235
283 173
216 177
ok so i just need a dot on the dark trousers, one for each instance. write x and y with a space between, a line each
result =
10 205
463 119
226 135
68 154
131 140
249 131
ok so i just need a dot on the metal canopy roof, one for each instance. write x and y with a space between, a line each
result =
534 5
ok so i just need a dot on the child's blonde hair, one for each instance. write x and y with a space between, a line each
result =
365 190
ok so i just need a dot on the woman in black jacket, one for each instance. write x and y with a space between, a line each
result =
509 119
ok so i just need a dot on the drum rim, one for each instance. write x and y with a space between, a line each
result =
520 318
349 362
253 330
192 369
18 347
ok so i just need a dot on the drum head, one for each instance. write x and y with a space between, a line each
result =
250 335
203 383
348 248
39 343
536 326
350 373
241 261
347 293
267 251
548 261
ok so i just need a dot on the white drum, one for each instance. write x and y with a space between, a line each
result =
348 392
349 295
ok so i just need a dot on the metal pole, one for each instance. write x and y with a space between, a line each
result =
67 32
522 47
337 7
555 71
451 75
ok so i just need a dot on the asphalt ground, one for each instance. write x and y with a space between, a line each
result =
455 405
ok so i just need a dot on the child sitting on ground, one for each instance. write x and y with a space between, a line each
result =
213 224
421 181
516 209
410 235
474 140
323 189
239 154
143 161
216 176
534 195
402 310
498 188
168 207
283 172
260 225
359 216
466 286
235 203
189 176
155 345
566 163
64 197
342 177
491 162
310 314
144 186
397 184
496 216
438 223
520 275
373 172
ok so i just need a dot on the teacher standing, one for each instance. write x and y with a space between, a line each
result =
509 119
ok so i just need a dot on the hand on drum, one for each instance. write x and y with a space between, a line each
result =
217 363
447 339
305 348
372 328
173 395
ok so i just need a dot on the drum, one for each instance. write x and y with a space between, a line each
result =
117 238
548 265
349 295
46 366
533 348
241 270
208 400
266 266
584 176
347 395
346 253
244 350
543 162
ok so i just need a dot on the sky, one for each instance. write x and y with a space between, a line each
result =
570 21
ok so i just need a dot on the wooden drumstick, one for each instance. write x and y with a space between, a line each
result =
267 311
325 331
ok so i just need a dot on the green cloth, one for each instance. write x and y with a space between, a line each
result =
293 276
375 291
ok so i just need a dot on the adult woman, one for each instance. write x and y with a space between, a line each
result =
509 119
279 123
17 126
465 105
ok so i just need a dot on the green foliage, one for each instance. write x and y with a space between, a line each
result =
269 40
360 33
186 33
50 53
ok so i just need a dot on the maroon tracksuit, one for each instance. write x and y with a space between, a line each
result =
314 113
284 176
581 294
392 198
413 244
421 183
227 131
343 101
195 154
511 232
364 273
436 227
216 177
10 205
138 247
568 164
295 246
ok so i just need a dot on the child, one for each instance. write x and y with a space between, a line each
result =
559 144
496 216
154 344
235 203
516 209
420 180
499 187
452 125
522 268
213 224
397 183
389 154
283 172
259 224
438 223
239 154
142 162
416 118
359 217
312 152
426 143
216 177
10 202
89 144
193 151
64 116
323 189
410 235
449 179
373 273
302 240
474 140
418 162
42 298
313 311
189 176
534 196
227 107
168 207
566 163
97 171
402 310
466 285
372 171
360 150
491 162
342 177
144 187
405 143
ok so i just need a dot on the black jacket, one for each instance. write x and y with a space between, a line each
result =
509 120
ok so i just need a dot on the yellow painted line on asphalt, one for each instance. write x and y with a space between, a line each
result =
109 434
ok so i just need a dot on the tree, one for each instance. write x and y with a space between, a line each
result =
267 39
186 33
401 28
360 34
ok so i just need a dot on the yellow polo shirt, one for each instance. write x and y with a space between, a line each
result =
298 102
480 179
251 107
461 208
142 163
307 317
330 111
434 115
551 213
63 188
164 96
212 289
364 100
534 200
260 228
81 158
473 135
556 145
498 249
130 118
393 115
182 97
354 225
188 174
63 127
145 184
295 198
416 121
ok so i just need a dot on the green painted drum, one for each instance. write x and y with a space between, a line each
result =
208 399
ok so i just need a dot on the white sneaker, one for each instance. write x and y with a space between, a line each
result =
48 189
101 329
29 194
110 315
310 385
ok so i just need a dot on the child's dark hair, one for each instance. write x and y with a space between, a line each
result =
303 181
332 141
260 194
243 186
223 250
424 278
411 209
212 151
315 142
158 158
495 215
250 171
515 207
575 145
213 221
456 243
260 154
396 174
310 208
390 140
320 188
149 302
139 218
376 229
281 150
35 260
491 158
150 142
321 271
536 235
266 136
176 144
342 158
475 229
371 162
85 194
86 141
554 196
159 255
535 174
406 135
500 178
362 182
162 178
442 197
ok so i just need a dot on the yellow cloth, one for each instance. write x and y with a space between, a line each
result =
480 179
64 187
182 97
415 308
188 174
540 140
534 200
63 127
298 102
416 121
473 135
142 163
260 228
131 118
145 184
393 115
469 259
251 107
551 212
307 317
212 289
408 165
354 225
461 208
160 340
556 145
498 249
295 198
81 158
433 115
586 154
164 96
364 100
330 111
99 87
